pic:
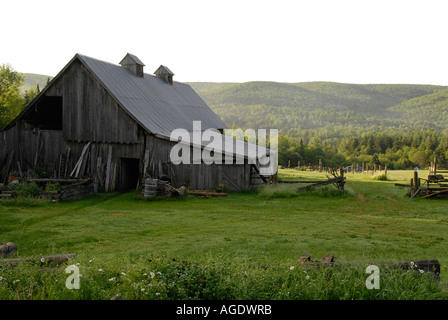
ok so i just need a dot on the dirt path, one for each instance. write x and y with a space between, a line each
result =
391 199
361 197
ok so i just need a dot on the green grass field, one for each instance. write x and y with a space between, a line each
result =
373 222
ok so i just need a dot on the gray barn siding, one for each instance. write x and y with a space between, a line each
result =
24 145
195 176
2 148
96 150
53 145
89 112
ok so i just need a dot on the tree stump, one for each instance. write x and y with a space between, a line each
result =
7 249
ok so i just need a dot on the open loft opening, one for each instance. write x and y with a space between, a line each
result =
46 114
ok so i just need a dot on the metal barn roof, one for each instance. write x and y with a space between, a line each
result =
156 106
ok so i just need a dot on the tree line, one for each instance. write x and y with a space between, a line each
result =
396 151
12 100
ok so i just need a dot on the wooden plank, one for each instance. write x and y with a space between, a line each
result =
431 266
76 195
323 183
81 162
38 143
311 181
114 177
6 195
67 161
81 182
54 260
160 169
434 194
8 166
100 171
211 193
146 161
19 167
58 180
77 165
77 192
96 178
84 165
109 160
402 185
92 163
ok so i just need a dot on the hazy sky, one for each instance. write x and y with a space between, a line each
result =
390 41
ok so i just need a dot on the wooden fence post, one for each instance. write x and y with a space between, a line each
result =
435 166
416 181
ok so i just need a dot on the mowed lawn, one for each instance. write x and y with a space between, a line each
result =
374 222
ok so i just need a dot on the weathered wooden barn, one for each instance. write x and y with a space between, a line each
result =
117 120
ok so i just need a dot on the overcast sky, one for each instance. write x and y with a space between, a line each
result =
358 41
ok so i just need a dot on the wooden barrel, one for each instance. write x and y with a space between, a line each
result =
150 189
150 182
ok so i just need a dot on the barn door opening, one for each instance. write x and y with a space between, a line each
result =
129 173
46 114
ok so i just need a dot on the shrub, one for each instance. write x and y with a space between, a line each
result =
52 187
381 177
25 190
290 191
277 191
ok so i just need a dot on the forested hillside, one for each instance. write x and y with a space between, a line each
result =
401 126
33 81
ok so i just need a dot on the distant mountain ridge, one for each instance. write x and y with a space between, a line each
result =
338 107
32 80
334 109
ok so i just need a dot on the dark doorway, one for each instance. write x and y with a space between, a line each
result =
129 173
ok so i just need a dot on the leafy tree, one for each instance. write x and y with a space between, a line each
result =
375 159
30 95
11 101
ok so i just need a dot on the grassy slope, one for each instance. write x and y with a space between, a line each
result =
245 244
378 223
